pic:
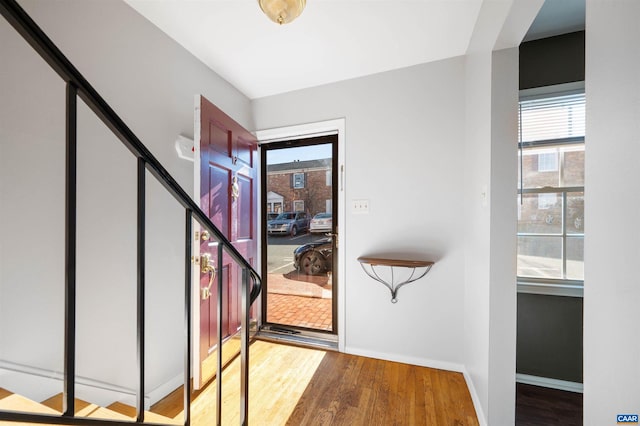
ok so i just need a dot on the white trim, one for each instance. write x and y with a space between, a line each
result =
195 252
329 127
551 289
475 398
165 389
35 382
546 382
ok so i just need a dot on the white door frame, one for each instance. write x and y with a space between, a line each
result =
329 127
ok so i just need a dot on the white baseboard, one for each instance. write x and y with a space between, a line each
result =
39 384
546 382
482 420
423 362
165 389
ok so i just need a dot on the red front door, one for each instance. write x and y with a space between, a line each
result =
228 197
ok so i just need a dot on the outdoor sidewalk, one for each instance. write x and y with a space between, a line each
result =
299 300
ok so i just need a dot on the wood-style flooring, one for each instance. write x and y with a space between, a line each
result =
538 406
291 385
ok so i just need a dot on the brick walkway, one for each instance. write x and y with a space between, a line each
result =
299 300
300 311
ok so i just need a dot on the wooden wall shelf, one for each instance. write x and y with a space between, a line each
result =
419 269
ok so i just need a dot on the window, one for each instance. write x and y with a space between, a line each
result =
547 162
328 177
298 206
551 190
298 180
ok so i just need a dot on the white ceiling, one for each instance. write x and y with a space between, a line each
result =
333 40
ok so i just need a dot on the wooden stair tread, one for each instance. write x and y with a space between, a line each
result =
53 406
82 408
4 393
149 416
14 402
105 413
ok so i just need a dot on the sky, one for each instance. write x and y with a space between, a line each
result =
287 155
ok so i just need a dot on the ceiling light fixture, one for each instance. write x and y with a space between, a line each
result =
282 11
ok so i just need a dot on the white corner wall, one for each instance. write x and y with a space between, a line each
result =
404 153
612 203
491 81
477 162
502 276
150 81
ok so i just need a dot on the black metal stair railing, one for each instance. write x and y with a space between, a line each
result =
78 86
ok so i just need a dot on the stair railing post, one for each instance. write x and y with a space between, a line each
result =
219 347
244 350
68 406
188 253
140 327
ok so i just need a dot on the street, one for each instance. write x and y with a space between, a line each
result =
280 251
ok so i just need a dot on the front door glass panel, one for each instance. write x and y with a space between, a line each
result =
299 229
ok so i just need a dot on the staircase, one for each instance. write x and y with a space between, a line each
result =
66 408
83 409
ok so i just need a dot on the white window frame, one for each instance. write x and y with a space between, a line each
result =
548 286
298 180
297 203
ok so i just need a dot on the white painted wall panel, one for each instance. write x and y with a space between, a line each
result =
612 203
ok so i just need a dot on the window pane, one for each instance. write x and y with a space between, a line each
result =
540 257
575 213
548 162
540 167
540 213
575 258
298 180
573 165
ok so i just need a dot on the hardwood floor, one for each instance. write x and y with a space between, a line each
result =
538 406
352 390
291 385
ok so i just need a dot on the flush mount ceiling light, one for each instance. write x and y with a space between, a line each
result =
282 11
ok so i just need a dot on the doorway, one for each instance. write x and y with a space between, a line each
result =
299 227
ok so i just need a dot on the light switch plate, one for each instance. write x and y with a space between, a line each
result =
360 206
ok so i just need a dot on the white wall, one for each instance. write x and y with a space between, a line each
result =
491 85
150 82
612 202
502 277
490 192
477 224
404 153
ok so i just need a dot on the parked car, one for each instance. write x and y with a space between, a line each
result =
321 223
314 258
271 216
289 223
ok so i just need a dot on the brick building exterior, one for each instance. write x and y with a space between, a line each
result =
299 186
555 168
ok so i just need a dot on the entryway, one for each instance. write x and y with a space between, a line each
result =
299 244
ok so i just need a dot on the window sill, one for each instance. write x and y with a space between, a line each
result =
551 289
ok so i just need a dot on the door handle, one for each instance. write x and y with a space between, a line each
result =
207 268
